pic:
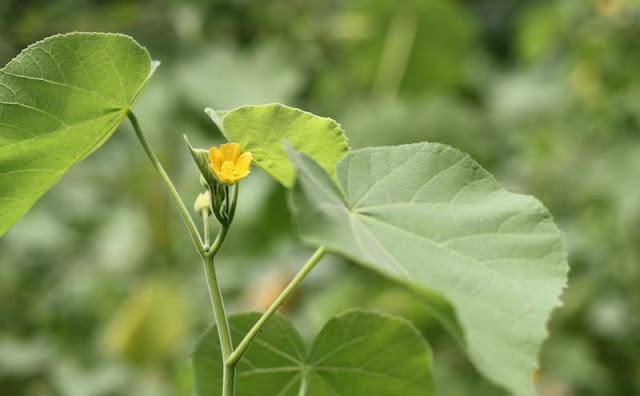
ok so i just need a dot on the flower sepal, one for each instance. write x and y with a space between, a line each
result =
201 159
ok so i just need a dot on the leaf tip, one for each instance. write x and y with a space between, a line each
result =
216 117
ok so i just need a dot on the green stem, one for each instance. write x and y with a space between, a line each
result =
195 236
232 212
228 206
220 316
205 222
207 253
217 244
248 338
228 380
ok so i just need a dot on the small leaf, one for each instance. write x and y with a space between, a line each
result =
60 99
357 354
429 217
262 130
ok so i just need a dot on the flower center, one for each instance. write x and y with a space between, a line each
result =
227 167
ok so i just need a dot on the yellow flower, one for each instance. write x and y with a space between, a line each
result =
227 164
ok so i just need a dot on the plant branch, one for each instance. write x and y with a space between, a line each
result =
195 236
220 316
217 244
248 338
207 252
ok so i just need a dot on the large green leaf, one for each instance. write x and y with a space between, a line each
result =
262 129
356 354
429 217
60 99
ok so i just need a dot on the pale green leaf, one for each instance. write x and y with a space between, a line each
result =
429 217
60 99
262 130
357 354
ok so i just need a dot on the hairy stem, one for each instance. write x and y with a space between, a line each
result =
248 338
191 226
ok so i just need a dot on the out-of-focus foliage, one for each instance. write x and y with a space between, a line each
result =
544 94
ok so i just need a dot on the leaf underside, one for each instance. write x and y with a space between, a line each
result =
60 99
262 129
357 354
429 217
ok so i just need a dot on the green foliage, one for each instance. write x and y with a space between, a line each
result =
358 353
60 99
262 130
131 333
428 216
546 97
390 46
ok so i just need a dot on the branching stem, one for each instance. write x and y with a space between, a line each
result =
230 357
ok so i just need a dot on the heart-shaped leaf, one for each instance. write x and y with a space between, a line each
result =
262 129
60 99
357 354
429 217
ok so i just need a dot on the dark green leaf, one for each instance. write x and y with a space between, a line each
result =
357 354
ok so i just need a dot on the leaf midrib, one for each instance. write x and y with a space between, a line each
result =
436 244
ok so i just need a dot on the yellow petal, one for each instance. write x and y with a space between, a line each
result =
219 175
239 175
230 152
215 158
243 164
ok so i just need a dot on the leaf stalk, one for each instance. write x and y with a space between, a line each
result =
191 226
249 337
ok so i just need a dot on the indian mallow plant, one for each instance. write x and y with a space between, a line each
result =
489 264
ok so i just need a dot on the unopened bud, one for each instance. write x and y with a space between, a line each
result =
203 202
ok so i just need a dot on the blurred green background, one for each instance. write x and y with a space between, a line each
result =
101 291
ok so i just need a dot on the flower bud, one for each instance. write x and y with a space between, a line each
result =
203 202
